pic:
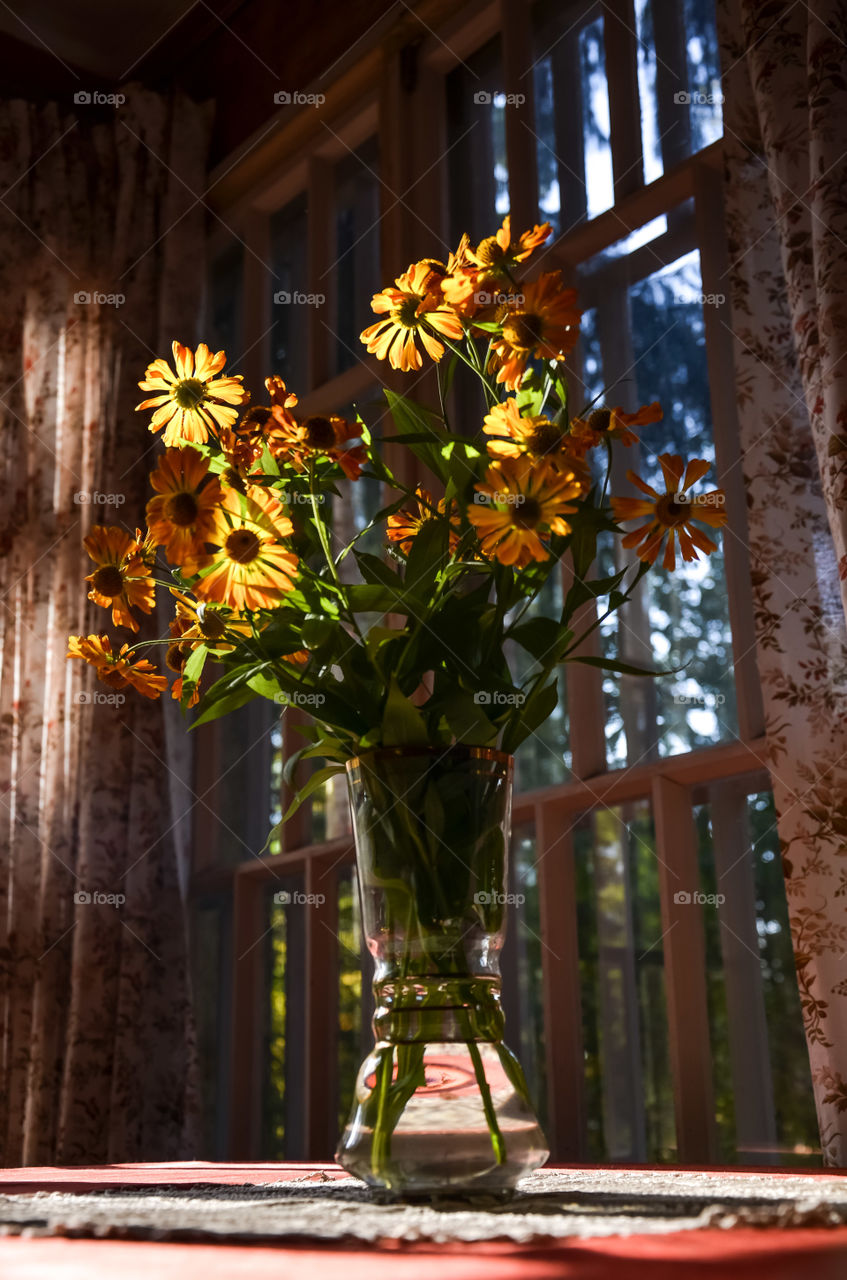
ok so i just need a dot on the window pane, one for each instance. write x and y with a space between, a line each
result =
225 326
210 968
644 340
282 1085
477 166
764 1103
573 145
290 291
624 1013
356 268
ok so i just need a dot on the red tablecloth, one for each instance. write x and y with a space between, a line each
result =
741 1254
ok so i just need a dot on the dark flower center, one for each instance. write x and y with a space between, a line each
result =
189 393
181 509
174 658
546 438
319 433
671 512
242 545
254 421
527 514
490 254
108 580
407 313
523 331
211 624
599 420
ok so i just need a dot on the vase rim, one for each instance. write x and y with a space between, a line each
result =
458 749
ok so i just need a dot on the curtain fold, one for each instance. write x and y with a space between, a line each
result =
785 127
101 264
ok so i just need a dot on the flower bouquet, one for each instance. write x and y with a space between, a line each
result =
405 659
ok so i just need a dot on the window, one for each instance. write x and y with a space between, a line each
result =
647 976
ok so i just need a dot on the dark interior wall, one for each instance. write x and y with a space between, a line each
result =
237 52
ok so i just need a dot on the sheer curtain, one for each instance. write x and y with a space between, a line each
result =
785 120
101 243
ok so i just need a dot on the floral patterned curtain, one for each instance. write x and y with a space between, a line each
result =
101 244
785 122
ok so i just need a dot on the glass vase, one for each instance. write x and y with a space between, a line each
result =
441 1105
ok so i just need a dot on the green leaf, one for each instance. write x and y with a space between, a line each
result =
222 706
192 671
402 723
316 781
412 423
265 686
544 638
427 557
316 630
541 704
622 668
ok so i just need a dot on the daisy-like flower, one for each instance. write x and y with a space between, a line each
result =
545 323
501 254
404 526
194 401
249 567
518 505
117 670
121 580
412 309
671 514
202 622
316 437
514 434
605 423
182 515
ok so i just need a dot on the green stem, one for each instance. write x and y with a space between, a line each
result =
497 1141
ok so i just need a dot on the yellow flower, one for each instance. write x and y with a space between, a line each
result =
182 516
121 580
117 670
671 513
412 308
519 505
604 423
200 622
404 526
194 401
515 434
545 323
500 253
249 567
316 437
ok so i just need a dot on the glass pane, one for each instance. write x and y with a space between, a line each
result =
210 967
644 340
678 80
477 166
627 1065
290 298
356 268
764 1103
282 1084
225 325
523 991
573 135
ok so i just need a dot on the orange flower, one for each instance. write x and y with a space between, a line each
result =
121 580
404 526
182 516
515 434
204 623
671 513
193 401
117 670
519 506
413 308
501 254
544 323
316 437
604 423
249 568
